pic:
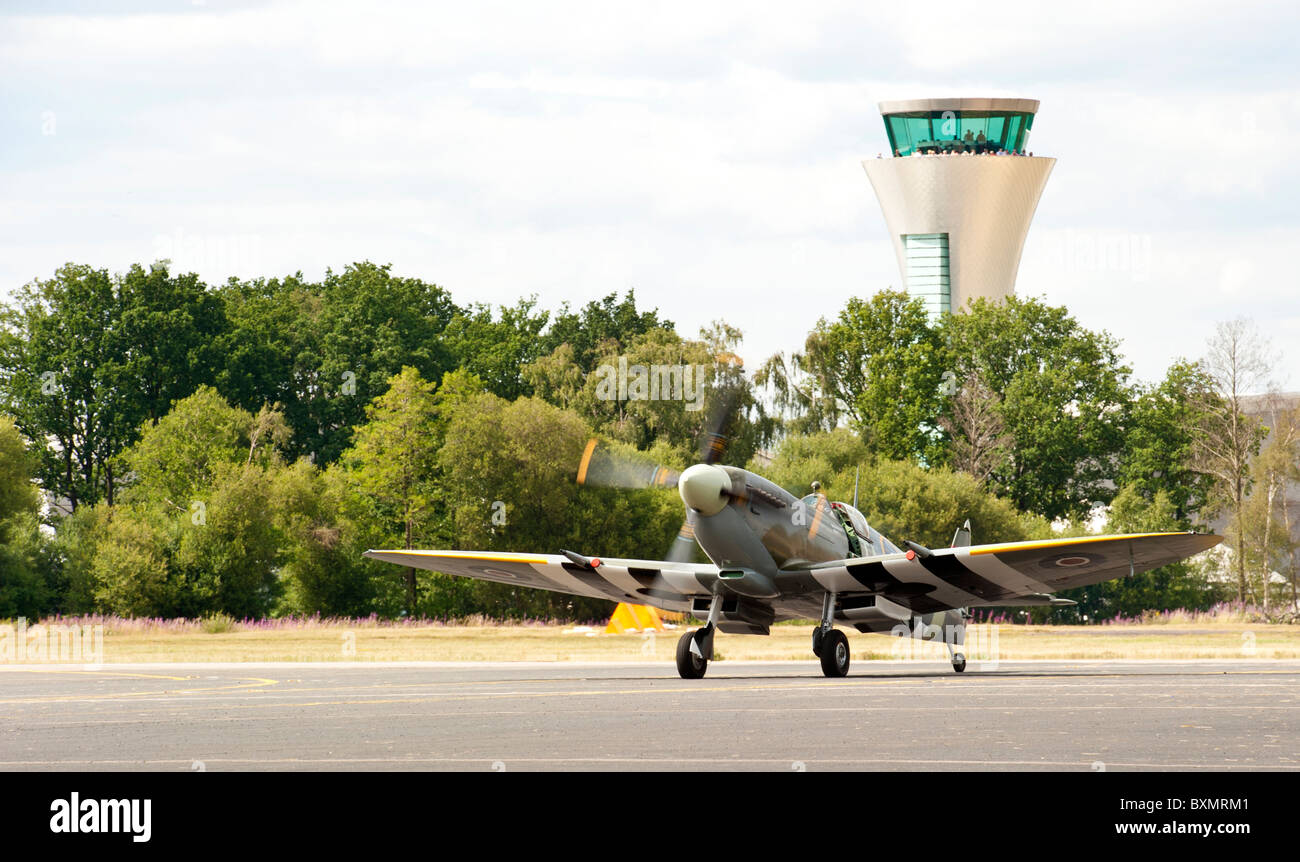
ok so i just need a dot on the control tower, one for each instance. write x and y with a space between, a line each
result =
958 192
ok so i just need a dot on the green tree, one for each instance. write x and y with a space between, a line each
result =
1158 449
794 386
129 572
1064 399
271 345
74 555
393 462
676 391
496 348
1227 437
904 501
61 362
978 442
187 450
556 377
880 366
25 589
370 324
1268 541
17 493
323 571
507 492
231 559
171 326
833 458
88 358
200 528
608 319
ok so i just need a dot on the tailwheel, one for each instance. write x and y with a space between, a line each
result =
959 662
689 665
834 653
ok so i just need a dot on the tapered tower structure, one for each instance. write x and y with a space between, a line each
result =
958 193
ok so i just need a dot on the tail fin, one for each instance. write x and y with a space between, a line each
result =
961 538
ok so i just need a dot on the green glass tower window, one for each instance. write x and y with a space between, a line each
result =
957 131
927 270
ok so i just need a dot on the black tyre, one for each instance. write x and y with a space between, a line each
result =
959 662
689 665
835 653
818 635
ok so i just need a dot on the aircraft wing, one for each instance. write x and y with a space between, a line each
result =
1062 564
647 582
1011 574
1015 573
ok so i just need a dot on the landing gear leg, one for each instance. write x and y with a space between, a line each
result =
958 659
828 614
829 643
694 649
955 638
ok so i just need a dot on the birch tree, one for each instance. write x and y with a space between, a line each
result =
1237 363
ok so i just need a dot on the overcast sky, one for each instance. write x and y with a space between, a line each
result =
706 154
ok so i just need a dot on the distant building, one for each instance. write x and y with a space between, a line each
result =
958 195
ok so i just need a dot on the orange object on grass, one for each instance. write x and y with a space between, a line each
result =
638 618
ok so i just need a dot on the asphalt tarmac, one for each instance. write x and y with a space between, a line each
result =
891 716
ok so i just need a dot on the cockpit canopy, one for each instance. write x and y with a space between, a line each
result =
873 543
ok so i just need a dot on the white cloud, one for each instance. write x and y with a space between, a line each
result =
705 154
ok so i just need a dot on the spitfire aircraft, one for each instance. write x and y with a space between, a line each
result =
778 557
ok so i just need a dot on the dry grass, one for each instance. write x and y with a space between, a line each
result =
339 641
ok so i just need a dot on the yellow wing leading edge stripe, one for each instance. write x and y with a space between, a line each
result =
470 555
1056 543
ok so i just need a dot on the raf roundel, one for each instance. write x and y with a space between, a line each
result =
1072 559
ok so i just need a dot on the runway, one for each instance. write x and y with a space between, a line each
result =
891 716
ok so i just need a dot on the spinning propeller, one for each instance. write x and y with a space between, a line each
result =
603 467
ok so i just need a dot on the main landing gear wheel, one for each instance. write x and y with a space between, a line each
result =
959 662
818 636
834 653
689 665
